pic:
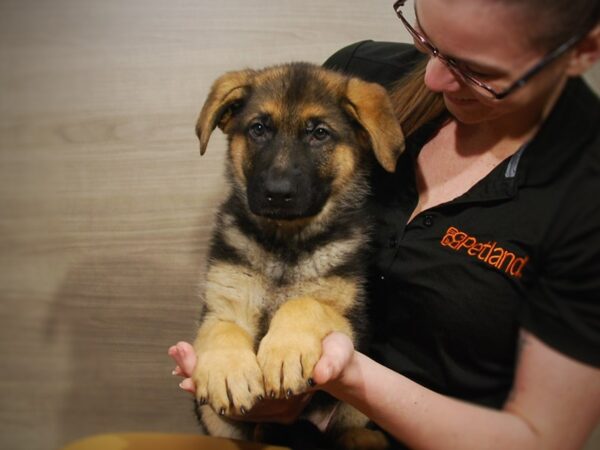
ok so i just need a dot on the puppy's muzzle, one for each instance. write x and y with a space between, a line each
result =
283 195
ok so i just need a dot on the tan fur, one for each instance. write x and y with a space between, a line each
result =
296 303
370 105
228 89
343 164
310 110
273 107
227 371
254 285
292 347
229 286
227 374
237 156
235 297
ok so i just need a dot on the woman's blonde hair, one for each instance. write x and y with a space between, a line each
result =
414 103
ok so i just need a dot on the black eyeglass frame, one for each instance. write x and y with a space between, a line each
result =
453 64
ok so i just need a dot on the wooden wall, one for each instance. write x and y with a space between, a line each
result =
105 203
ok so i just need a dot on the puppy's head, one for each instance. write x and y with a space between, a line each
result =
298 135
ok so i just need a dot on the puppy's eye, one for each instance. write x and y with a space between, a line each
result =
257 130
321 133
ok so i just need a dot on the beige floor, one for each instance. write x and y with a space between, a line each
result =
105 203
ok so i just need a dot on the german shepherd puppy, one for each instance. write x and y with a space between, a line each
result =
287 258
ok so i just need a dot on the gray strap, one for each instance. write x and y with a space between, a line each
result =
513 164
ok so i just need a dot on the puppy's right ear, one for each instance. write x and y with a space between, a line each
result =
226 96
370 106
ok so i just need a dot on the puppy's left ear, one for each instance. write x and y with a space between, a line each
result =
370 105
226 96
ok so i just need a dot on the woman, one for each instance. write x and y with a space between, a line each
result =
488 236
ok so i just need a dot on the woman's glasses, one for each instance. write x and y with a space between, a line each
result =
461 69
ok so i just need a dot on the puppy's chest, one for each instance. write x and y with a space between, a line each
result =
292 270
296 274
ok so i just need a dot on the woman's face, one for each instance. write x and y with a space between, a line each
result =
489 38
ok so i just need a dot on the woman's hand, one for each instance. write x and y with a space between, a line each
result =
268 410
337 356
185 359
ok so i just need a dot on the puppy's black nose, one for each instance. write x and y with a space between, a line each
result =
279 191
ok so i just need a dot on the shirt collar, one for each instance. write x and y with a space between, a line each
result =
501 183
573 122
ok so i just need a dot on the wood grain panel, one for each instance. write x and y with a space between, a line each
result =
105 204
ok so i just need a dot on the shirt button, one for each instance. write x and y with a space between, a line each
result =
393 242
428 220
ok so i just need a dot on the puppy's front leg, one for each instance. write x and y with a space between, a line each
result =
227 374
291 348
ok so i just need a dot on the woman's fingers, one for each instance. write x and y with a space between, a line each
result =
184 356
188 385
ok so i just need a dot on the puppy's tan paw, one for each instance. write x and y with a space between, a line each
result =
230 381
287 361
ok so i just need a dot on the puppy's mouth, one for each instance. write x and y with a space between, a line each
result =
271 209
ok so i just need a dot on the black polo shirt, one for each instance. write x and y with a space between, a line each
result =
451 289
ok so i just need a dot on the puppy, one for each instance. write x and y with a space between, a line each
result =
287 256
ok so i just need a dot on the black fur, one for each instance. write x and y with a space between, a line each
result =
285 204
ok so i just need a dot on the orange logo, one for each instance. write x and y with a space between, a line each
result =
488 252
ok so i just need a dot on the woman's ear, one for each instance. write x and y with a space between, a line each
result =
585 54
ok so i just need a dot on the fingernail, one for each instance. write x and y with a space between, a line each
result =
222 412
243 411
311 382
289 393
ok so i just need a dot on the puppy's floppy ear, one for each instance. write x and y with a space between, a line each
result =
370 105
227 95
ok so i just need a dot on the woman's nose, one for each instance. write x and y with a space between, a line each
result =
439 77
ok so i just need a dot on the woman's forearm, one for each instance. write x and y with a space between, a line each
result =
423 419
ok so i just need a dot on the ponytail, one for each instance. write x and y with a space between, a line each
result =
414 104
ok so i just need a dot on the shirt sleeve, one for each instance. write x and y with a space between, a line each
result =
340 60
379 62
563 309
